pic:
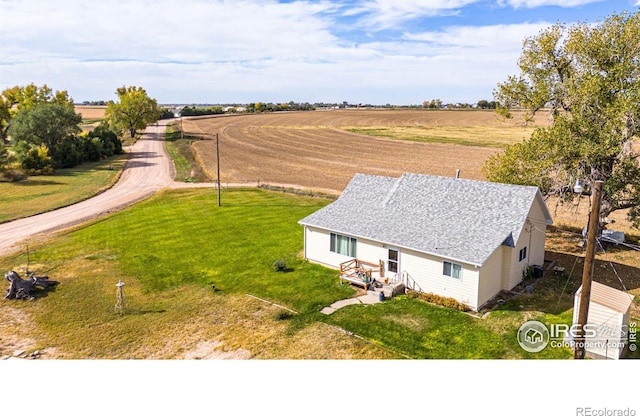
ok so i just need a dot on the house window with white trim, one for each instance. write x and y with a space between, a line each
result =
452 270
523 254
343 244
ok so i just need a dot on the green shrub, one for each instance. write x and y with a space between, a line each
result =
280 265
34 160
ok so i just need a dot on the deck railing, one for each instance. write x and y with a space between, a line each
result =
360 272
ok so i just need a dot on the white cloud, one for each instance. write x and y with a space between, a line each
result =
253 50
163 31
481 38
383 14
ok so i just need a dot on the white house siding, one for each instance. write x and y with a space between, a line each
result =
371 251
426 271
316 248
317 244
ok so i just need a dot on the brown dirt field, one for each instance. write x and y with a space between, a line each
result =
91 112
312 149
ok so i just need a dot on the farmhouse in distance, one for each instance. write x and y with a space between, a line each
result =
458 238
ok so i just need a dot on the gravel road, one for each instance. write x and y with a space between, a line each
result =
148 170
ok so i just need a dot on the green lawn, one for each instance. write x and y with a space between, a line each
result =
170 249
37 194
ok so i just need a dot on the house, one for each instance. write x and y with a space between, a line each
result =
608 320
457 238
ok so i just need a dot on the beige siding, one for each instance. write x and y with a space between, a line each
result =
517 267
538 232
490 277
610 326
532 236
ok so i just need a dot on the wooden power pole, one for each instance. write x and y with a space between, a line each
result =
587 272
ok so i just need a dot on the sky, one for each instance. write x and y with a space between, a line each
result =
399 52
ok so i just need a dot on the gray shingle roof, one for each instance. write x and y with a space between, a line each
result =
459 219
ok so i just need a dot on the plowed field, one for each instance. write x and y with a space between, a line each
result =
91 112
316 149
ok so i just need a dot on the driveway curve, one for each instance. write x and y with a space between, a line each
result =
148 170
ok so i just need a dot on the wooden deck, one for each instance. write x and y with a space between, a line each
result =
360 272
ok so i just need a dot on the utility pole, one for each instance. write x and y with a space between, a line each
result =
587 272
218 165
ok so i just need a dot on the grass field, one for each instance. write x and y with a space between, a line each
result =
170 250
181 152
91 112
324 149
179 243
171 307
474 136
38 194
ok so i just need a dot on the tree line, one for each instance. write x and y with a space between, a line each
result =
40 130
262 107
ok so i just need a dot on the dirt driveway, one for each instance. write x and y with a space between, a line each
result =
148 170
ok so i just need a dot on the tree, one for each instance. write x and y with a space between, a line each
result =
134 111
45 124
436 103
588 78
484 104
5 159
17 98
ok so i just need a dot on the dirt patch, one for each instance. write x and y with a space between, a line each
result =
211 350
14 326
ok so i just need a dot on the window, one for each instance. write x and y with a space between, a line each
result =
393 260
344 245
523 254
452 270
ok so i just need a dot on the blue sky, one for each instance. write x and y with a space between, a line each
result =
205 51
